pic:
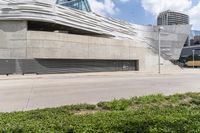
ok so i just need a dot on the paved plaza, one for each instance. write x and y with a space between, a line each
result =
19 93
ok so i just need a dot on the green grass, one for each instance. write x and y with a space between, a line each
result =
155 113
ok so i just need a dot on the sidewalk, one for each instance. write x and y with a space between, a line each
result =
119 73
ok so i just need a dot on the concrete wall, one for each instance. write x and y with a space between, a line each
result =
172 39
18 43
13 39
44 45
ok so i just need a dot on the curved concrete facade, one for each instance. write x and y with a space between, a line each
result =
173 36
115 40
18 43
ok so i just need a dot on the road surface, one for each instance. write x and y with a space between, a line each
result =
20 93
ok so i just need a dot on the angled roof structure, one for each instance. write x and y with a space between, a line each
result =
77 4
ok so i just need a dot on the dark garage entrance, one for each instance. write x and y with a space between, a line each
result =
7 66
51 66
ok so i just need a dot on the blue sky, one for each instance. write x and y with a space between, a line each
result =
134 12
145 11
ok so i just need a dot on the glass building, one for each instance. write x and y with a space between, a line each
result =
77 4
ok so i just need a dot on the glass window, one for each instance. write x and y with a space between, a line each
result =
76 4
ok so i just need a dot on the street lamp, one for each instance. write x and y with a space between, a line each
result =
193 54
159 51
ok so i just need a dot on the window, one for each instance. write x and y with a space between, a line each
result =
76 4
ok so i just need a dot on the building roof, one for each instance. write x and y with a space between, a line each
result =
170 11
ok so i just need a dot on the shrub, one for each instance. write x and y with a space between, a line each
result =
150 99
82 107
121 104
120 117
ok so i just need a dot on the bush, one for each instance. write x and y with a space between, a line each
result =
121 104
82 107
150 99
119 117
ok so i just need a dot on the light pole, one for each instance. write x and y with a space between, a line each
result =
193 54
159 51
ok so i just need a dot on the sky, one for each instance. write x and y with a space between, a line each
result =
145 12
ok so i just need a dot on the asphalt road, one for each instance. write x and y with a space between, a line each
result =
20 93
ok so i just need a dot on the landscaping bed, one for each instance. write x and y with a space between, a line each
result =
155 113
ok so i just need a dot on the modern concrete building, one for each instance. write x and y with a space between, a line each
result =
172 18
62 36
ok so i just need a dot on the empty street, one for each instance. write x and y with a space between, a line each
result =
19 93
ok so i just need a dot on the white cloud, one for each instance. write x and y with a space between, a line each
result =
124 1
185 6
108 7
195 16
105 7
157 6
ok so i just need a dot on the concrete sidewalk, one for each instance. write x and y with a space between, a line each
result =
120 73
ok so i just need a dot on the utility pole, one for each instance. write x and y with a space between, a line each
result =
159 50
193 54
